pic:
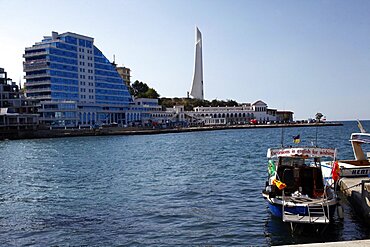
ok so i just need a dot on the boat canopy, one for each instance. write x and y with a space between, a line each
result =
360 137
310 152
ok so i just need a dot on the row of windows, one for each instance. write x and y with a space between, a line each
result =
110 86
104 79
62 106
62 53
101 60
64 96
56 80
111 98
37 72
106 73
88 77
69 39
85 43
83 83
67 106
83 90
112 92
231 115
65 46
63 67
111 103
83 50
88 70
83 57
62 59
63 74
104 66
64 88
84 96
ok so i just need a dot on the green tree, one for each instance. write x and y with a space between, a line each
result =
140 89
151 93
318 116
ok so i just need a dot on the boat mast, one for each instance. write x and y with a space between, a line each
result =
282 137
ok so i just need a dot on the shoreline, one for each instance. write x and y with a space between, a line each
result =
57 133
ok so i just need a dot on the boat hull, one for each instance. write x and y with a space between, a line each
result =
276 209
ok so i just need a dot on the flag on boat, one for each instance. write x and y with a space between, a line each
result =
335 172
271 168
279 184
297 139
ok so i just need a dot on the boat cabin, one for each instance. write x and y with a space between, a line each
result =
300 170
300 175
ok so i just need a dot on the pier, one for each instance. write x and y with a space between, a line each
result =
357 191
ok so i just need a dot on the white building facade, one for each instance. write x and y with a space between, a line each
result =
234 114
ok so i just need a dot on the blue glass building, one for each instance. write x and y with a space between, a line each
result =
74 82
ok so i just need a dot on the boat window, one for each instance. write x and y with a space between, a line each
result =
289 161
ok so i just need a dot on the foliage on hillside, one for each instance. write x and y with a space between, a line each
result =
189 103
140 89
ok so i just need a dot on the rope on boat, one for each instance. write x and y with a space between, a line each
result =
351 186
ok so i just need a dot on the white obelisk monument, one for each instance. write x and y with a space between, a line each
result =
197 86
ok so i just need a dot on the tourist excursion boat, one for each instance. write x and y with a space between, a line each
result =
360 166
296 190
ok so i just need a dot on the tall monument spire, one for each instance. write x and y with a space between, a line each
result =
197 86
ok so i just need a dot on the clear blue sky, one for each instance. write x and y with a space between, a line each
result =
304 56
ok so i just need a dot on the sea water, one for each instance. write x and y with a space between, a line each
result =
191 189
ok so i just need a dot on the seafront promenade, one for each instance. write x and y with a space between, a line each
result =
54 133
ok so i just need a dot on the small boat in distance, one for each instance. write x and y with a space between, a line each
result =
295 189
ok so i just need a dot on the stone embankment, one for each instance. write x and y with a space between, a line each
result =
53 133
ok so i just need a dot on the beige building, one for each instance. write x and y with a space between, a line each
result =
125 73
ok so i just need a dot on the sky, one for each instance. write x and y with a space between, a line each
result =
302 56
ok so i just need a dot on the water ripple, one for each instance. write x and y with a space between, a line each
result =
197 189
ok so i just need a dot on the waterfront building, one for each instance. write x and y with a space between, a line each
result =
125 74
141 112
172 116
284 116
16 112
74 82
197 85
242 114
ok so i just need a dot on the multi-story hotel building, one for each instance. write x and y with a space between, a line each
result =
125 73
74 82
16 112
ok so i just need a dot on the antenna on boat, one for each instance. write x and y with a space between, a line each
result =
362 129
282 137
316 136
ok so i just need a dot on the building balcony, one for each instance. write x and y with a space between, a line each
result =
40 97
38 47
32 54
27 67
36 83
36 76
38 90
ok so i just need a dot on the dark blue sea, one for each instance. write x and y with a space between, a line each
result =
187 189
